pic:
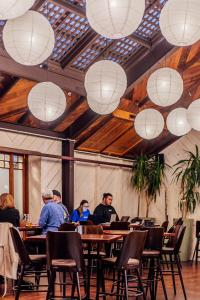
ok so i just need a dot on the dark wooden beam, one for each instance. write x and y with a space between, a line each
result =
141 41
68 175
9 83
31 131
77 9
13 113
37 4
24 118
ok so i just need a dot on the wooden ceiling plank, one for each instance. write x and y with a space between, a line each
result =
12 113
77 9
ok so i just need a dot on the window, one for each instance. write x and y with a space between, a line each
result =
13 179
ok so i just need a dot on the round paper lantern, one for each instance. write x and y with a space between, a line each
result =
165 86
193 114
177 122
149 123
115 19
180 22
102 109
46 101
105 82
29 39
11 9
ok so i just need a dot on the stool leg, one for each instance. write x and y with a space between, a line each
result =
162 279
140 284
19 282
64 284
78 285
197 248
173 276
126 284
180 275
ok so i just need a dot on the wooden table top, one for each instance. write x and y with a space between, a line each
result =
106 238
117 232
29 227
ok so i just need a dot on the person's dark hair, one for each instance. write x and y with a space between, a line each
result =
80 208
56 193
105 195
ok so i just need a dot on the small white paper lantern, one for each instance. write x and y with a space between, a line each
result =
177 122
11 9
149 123
115 18
180 22
102 109
105 82
165 86
29 39
46 101
193 114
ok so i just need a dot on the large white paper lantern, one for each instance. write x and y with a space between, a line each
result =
105 82
149 123
177 122
29 39
180 22
193 114
115 18
165 86
102 109
46 101
10 9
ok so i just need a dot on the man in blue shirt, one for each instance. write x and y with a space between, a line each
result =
52 214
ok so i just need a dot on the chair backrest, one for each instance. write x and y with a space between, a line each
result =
67 227
125 218
132 248
19 246
65 245
154 240
119 225
197 228
165 225
178 221
179 239
172 240
92 229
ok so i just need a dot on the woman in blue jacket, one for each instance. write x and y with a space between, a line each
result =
81 213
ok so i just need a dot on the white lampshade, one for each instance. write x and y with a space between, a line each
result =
193 114
11 9
165 86
149 123
177 122
105 82
46 101
29 39
115 18
180 22
102 109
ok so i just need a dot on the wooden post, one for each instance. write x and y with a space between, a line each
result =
68 175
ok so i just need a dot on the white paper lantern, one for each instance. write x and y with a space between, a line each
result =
180 22
102 109
115 18
29 39
165 86
46 101
105 82
193 114
11 9
149 123
177 122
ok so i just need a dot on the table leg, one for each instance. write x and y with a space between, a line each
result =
89 270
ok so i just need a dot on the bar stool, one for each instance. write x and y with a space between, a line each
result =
64 254
196 250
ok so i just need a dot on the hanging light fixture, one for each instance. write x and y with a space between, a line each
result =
46 101
180 22
29 39
105 84
115 18
193 114
149 123
165 86
11 9
177 122
102 109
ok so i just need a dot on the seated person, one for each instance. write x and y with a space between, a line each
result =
103 212
52 214
58 200
8 212
81 213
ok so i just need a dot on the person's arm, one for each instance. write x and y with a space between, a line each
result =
74 216
17 218
44 217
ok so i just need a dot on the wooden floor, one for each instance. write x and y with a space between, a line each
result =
191 279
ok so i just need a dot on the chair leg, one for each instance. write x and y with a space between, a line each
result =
51 288
19 282
64 284
113 285
162 279
78 285
140 284
173 276
126 284
118 285
180 275
73 285
196 260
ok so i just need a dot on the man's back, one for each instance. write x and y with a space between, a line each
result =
103 213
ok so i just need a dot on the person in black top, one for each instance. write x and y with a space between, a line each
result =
104 210
8 212
57 199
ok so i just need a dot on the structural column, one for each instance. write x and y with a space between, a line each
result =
68 175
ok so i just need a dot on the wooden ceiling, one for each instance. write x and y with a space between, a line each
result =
77 47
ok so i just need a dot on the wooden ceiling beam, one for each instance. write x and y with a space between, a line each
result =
13 113
66 4
37 4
